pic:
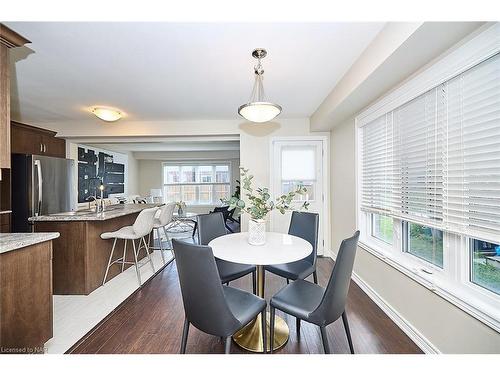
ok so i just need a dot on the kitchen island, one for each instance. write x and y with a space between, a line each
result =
25 291
80 256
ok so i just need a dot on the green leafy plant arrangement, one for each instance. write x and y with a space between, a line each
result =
259 200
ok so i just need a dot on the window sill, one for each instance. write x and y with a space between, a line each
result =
462 298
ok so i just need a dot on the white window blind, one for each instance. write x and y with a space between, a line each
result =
377 193
298 163
435 160
473 174
418 157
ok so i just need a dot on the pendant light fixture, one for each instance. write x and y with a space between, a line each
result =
258 109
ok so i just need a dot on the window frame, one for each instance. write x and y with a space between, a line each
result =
371 224
405 247
213 164
452 282
467 274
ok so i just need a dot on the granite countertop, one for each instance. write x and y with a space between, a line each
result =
110 212
14 241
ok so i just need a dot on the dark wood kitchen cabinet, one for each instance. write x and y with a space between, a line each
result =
8 39
26 302
27 139
4 222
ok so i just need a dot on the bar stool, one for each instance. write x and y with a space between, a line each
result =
142 227
166 213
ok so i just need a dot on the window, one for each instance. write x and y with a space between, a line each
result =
429 177
196 184
485 264
382 228
436 159
298 167
424 242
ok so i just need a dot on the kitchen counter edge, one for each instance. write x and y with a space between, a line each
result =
15 241
106 215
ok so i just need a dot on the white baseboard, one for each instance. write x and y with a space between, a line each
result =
418 338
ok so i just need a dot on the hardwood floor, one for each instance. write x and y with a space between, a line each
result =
151 320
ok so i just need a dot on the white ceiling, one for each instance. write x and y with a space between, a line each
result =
172 71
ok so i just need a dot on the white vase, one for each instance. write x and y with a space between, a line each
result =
257 232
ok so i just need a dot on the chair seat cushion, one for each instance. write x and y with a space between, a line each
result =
299 298
229 271
244 306
293 271
125 233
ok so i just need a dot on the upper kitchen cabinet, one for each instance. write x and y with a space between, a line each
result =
28 139
8 39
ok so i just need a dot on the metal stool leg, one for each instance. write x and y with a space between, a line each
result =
169 241
149 239
109 261
136 265
124 255
160 241
148 255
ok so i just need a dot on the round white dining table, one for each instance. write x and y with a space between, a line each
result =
279 248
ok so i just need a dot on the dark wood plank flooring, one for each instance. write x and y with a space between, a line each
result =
151 320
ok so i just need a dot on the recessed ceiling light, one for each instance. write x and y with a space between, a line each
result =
107 114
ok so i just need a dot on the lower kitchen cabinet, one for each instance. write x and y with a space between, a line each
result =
26 298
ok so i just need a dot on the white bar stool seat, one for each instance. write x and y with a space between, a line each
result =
125 233
142 226
160 222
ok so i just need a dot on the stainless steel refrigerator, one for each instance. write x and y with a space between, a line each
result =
41 185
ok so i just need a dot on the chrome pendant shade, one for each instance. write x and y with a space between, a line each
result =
258 109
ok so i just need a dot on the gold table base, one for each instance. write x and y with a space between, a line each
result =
250 336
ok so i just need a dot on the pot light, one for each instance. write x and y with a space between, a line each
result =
258 109
107 114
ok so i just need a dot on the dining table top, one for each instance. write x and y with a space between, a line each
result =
279 248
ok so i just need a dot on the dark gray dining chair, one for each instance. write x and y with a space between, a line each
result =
211 226
304 225
225 214
316 305
211 307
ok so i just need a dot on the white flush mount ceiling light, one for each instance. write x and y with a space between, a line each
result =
107 114
258 109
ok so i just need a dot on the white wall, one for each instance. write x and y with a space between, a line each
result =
445 326
150 168
132 186
254 139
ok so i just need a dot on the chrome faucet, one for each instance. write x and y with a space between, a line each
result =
99 206
91 198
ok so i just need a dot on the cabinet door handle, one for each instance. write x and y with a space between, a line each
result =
41 147
44 148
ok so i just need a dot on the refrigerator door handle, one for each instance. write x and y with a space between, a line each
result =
40 191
